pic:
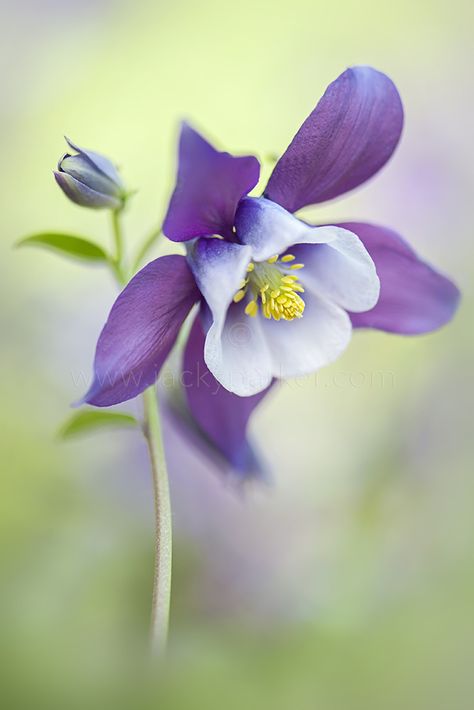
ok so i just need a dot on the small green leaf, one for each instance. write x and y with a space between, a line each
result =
88 420
66 244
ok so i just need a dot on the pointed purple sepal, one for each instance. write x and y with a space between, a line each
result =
414 297
141 330
221 416
208 189
348 137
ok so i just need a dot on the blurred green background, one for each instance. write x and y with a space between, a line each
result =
349 582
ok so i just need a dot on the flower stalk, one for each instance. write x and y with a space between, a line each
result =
163 524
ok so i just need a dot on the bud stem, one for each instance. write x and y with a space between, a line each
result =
146 246
118 237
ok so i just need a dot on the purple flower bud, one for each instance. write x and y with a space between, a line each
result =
90 179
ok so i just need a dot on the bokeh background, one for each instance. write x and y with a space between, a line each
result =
348 582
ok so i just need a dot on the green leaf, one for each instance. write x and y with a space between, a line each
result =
87 420
66 244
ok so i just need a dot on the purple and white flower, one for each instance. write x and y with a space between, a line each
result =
278 297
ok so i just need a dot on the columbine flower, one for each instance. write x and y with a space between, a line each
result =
279 298
90 179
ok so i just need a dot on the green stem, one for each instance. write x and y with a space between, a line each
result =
118 238
163 524
163 527
147 244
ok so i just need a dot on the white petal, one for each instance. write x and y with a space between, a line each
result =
269 229
301 346
236 353
235 350
218 267
342 271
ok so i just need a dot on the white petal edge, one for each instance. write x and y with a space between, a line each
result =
269 229
218 267
304 345
341 271
236 353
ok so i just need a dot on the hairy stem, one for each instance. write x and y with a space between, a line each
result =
163 525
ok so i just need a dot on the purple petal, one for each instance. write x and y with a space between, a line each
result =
141 330
414 298
208 189
348 137
222 416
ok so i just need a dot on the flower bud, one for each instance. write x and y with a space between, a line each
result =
90 179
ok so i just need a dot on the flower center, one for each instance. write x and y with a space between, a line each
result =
273 285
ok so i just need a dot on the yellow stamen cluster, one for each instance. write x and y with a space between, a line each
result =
273 285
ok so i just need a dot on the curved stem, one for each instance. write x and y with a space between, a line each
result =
163 526
147 244
163 530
